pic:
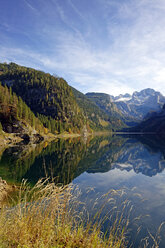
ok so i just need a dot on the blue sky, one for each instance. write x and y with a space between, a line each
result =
111 46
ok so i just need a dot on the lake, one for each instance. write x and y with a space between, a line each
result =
132 164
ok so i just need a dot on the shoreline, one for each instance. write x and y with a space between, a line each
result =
11 139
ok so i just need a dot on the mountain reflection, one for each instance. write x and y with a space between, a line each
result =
67 159
143 154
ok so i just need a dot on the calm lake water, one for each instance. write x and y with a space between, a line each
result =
133 164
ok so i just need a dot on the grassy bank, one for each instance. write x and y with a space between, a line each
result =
48 216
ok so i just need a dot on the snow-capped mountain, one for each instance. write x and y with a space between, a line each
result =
125 97
139 104
131 109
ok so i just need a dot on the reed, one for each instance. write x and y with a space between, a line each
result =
49 216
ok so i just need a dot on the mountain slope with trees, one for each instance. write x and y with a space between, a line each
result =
50 98
97 118
58 106
155 123
103 101
17 117
131 109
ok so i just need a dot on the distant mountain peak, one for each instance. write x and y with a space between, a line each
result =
148 91
145 93
121 97
133 108
139 103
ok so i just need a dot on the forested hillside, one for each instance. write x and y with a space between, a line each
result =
98 119
105 104
154 123
58 106
49 97
15 115
131 109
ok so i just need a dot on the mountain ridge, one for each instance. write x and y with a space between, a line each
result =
154 123
62 108
131 108
58 106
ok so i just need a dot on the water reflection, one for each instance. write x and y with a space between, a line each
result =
67 159
135 155
137 166
135 163
63 159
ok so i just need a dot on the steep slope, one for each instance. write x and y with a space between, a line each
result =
140 103
49 97
121 97
16 116
97 117
104 102
130 108
154 124
58 106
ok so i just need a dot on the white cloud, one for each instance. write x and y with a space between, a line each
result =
133 59
31 7
160 76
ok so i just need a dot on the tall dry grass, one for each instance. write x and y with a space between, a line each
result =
49 216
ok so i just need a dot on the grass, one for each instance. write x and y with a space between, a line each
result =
50 216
